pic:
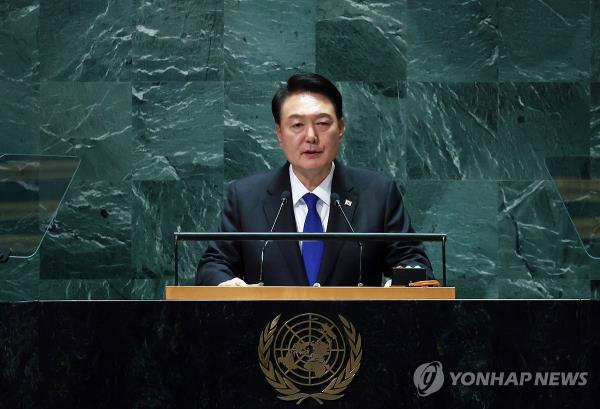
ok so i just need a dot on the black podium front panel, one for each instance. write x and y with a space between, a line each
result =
427 354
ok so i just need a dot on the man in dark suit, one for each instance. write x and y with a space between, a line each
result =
310 128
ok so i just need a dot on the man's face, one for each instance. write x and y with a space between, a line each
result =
310 133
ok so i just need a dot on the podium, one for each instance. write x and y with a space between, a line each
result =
256 293
229 354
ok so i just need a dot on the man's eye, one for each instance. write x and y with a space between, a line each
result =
324 123
298 125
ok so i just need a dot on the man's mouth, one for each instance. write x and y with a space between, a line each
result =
312 152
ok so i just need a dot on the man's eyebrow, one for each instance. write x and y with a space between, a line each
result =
321 115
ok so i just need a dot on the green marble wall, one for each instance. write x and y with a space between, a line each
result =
166 101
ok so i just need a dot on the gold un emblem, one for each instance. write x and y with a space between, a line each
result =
309 357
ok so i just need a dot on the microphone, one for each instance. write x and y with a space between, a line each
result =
285 196
336 199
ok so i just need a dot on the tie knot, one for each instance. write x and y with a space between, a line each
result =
311 200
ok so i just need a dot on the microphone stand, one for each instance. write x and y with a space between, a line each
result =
336 199
284 198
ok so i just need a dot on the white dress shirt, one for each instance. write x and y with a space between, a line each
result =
323 192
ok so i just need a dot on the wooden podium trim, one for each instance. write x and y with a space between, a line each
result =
255 293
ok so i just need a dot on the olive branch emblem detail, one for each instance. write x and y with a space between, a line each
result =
320 345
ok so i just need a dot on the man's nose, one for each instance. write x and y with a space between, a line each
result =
311 135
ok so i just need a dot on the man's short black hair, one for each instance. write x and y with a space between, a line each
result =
306 82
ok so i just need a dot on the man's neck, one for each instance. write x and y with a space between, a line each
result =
312 180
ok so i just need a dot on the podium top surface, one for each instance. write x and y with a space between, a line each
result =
255 293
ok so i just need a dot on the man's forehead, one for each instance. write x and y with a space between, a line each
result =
307 103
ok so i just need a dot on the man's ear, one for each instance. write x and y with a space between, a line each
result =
342 126
278 132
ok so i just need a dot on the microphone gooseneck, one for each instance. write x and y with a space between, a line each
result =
285 196
336 199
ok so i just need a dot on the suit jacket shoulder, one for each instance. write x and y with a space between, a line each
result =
248 184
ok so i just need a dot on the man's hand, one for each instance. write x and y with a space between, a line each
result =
234 282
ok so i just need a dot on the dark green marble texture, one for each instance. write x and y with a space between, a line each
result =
544 40
19 58
178 129
91 120
538 239
595 128
163 207
361 41
250 141
268 40
19 118
579 189
472 107
20 279
560 288
446 207
91 234
595 40
453 39
538 120
85 40
595 289
375 135
177 41
102 289
452 131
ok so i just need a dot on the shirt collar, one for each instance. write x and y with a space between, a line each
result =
323 191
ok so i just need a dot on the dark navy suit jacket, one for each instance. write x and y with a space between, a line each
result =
251 206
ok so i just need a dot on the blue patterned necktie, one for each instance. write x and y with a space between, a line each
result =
312 251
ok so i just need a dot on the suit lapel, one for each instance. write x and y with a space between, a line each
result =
290 250
349 201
